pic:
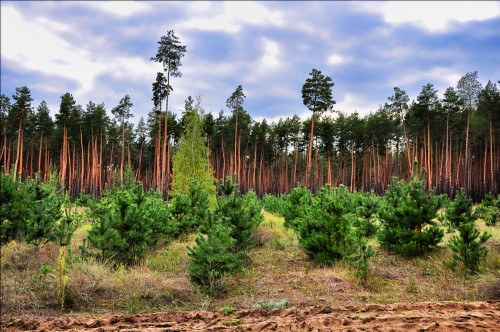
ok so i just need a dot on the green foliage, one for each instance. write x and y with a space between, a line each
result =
468 247
489 210
293 206
405 211
15 206
212 259
274 204
127 222
460 210
361 254
191 161
366 212
32 211
326 224
228 234
242 214
191 209
317 92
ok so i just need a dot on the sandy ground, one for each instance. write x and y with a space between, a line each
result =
427 316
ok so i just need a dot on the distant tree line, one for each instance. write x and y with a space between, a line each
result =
454 139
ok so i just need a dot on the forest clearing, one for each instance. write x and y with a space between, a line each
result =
250 220
280 288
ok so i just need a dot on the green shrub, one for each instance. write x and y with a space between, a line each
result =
32 211
489 210
460 210
360 255
326 224
274 204
242 214
190 209
16 204
468 248
366 211
212 259
295 202
127 222
406 216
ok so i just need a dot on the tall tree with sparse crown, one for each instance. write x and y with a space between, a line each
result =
122 112
317 97
169 54
235 103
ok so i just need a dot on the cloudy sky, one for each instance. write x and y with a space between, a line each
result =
101 51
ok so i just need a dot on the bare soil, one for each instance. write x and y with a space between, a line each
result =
425 316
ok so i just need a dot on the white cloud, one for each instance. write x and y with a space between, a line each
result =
435 16
351 102
33 46
233 15
120 8
336 59
268 63
418 76
271 52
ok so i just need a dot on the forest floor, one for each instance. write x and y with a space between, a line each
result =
280 289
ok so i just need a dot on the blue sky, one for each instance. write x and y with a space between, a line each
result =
101 51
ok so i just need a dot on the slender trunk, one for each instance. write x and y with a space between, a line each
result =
123 152
492 155
429 153
309 153
352 167
40 152
467 166
296 159
316 173
223 160
408 152
19 148
254 167
83 161
140 163
235 141
164 165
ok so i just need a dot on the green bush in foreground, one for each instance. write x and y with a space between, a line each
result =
460 210
468 248
241 213
127 222
325 227
489 210
406 216
33 211
294 205
212 259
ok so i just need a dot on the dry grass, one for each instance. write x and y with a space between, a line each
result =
278 271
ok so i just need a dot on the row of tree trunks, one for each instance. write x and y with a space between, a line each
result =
82 168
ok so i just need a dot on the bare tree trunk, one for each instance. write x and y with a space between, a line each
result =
236 146
40 153
83 161
352 168
492 156
19 148
165 164
309 153
429 153
286 169
123 152
467 166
